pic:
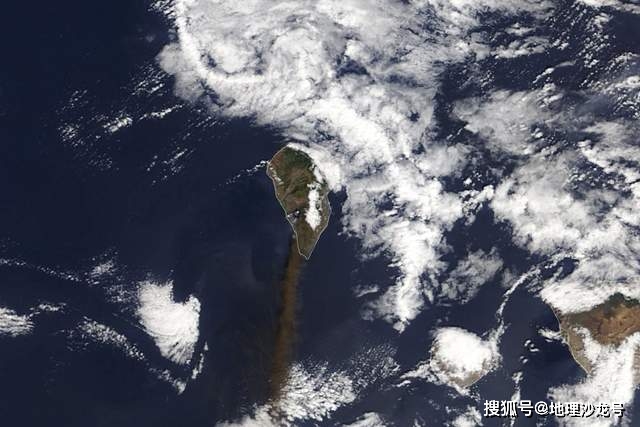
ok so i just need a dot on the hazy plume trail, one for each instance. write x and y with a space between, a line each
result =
286 332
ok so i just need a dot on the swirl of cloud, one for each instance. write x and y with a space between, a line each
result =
354 82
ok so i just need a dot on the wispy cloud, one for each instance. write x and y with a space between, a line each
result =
14 324
355 82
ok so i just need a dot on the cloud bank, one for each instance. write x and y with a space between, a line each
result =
458 358
173 325
355 82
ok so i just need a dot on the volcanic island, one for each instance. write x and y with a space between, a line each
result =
609 324
303 194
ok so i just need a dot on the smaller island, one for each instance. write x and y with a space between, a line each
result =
609 324
458 359
303 194
461 358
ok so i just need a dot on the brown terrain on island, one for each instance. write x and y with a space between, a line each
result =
303 194
608 324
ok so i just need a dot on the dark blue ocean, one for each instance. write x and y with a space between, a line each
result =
201 220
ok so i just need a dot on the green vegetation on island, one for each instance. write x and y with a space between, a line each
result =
303 194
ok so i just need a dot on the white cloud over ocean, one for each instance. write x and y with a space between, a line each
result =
457 357
290 65
314 390
14 324
613 380
173 325
355 83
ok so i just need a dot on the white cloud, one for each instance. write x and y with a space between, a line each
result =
178 384
615 4
370 133
550 335
568 199
470 274
310 393
314 390
280 63
576 200
616 142
90 329
48 307
594 225
173 325
316 393
557 202
14 324
470 418
613 380
457 358
197 369
506 119
546 217
370 419
522 47
104 268
312 215
118 123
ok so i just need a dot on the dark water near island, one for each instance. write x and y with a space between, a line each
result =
226 243
62 208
